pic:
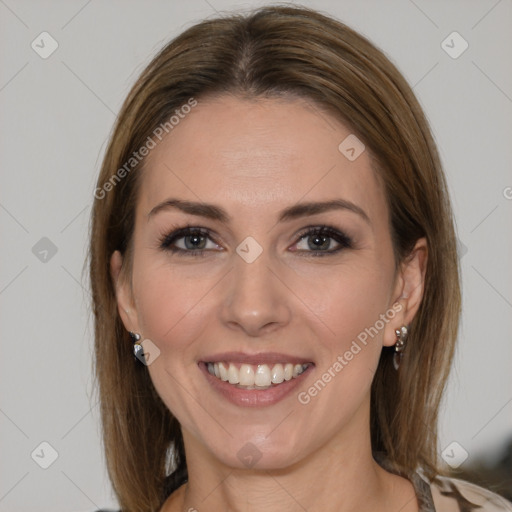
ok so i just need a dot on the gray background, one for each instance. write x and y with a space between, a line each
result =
56 116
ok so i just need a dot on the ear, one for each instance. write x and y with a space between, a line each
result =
124 295
408 290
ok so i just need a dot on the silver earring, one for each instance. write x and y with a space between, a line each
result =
401 340
137 347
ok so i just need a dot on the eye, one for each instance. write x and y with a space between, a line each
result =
193 241
319 241
189 240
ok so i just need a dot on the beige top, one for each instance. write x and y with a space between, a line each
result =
454 495
445 494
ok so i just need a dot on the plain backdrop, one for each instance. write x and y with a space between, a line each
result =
56 115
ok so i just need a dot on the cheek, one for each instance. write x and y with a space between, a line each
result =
353 309
172 312
349 300
169 306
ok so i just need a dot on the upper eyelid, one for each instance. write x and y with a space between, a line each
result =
181 232
184 230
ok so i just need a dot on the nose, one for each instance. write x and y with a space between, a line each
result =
256 298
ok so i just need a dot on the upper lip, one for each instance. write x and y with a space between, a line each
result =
261 358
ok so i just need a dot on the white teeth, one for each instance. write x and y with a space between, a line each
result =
256 376
262 376
246 375
222 370
277 374
233 374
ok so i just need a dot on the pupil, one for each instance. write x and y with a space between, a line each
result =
318 238
195 241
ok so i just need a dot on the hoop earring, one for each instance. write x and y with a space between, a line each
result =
401 341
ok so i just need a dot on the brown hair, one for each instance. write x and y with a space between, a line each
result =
278 51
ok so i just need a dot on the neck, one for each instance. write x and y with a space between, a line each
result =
341 475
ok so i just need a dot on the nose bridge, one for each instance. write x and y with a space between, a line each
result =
255 297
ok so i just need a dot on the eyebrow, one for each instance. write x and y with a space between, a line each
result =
214 212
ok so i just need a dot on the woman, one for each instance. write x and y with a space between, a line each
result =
275 280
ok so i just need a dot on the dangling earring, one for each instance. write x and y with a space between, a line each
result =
138 350
401 340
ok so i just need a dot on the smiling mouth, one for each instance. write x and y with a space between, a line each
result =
259 376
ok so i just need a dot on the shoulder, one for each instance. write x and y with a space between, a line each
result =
451 494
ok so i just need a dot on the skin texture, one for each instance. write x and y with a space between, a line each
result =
255 158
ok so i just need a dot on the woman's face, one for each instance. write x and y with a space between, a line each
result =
258 293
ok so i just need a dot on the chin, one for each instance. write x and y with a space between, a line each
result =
256 452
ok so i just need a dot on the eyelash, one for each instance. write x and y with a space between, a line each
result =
166 241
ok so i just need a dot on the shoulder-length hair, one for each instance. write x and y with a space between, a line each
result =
271 52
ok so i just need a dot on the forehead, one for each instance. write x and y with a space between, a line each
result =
258 156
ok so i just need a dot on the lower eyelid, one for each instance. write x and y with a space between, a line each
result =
343 241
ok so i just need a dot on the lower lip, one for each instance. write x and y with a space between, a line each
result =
254 397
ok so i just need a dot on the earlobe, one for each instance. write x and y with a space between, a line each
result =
396 315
